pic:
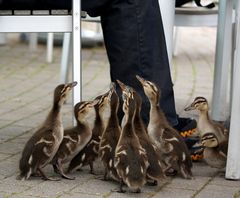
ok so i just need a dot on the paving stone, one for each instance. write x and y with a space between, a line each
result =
11 147
4 194
27 83
8 167
13 187
221 181
203 170
51 189
215 191
194 184
174 193
89 187
13 130
33 181
4 156
129 194
77 195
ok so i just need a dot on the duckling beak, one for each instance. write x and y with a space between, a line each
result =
73 84
140 79
112 86
122 85
189 108
95 102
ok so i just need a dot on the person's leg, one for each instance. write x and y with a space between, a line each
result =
95 7
135 43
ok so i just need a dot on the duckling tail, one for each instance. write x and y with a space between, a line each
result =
25 170
24 175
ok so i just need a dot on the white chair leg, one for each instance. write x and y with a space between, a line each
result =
77 67
233 159
222 60
3 38
176 33
32 41
65 58
49 47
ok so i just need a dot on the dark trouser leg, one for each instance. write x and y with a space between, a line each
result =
95 7
135 44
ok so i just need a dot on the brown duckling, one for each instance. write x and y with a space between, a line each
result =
44 143
155 169
110 136
205 124
131 160
214 153
76 138
90 152
175 152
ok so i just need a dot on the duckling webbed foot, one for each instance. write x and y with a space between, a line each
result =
61 172
137 191
44 177
120 190
152 183
55 168
92 169
105 177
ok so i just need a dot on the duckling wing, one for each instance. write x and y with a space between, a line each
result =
131 162
220 127
38 149
155 169
179 146
223 148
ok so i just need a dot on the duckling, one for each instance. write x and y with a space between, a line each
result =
90 152
155 169
110 136
131 160
175 152
205 124
76 138
215 154
44 143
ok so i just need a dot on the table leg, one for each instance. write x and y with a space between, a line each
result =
233 160
222 60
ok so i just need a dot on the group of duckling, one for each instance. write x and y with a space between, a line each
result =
131 153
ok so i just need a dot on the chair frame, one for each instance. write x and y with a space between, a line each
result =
52 23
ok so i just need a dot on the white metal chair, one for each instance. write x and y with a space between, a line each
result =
66 51
194 17
52 23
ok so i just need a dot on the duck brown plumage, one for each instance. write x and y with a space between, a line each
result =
75 138
169 141
205 124
131 160
90 152
154 155
44 143
214 153
110 136
213 135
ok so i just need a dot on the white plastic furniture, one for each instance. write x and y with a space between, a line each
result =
52 23
233 159
193 17
66 51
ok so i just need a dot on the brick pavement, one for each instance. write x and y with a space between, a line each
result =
26 85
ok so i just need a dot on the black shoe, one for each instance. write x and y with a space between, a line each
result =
187 127
196 153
